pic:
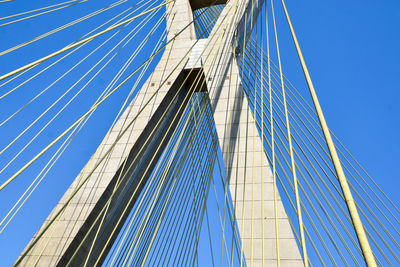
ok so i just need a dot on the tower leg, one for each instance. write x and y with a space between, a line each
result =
247 169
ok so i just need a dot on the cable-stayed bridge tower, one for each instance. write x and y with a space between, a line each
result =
214 102
211 66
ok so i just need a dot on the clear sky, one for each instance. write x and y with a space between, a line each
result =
351 49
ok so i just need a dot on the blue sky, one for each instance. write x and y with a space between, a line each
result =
351 49
352 53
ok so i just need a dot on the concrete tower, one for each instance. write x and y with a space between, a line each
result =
215 59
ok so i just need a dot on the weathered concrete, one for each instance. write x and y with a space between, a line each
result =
239 141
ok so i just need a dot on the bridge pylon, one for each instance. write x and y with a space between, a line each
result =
207 65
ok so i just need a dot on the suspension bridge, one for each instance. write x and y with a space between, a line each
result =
211 154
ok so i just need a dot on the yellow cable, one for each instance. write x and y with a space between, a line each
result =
224 217
295 181
277 243
77 121
344 213
262 142
318 126
163 179
118 75
30 78
245 164
253 172
127 128
42 13
32 139
79 186
63 27
68 47
285 159
358 226
294 230
123 167
39 9
69 70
